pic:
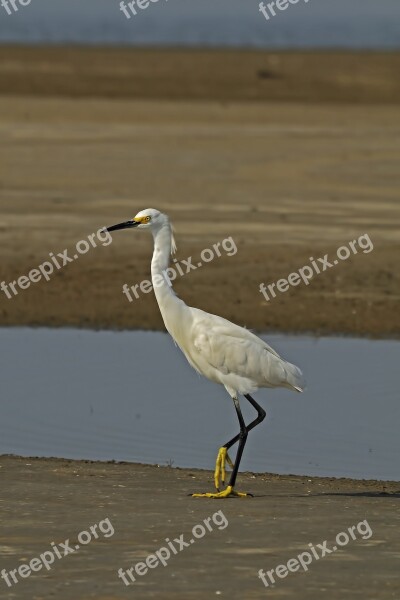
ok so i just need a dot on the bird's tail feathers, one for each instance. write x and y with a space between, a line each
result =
294 377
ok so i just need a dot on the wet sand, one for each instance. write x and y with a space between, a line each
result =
199 74
51 500
288 180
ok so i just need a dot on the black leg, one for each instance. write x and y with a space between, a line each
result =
260 417
242 442
222 456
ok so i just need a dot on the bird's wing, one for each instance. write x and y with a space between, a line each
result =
213 324
237 352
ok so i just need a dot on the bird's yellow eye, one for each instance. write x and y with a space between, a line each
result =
147 219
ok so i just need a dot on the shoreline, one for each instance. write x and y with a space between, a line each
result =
318 479
273 332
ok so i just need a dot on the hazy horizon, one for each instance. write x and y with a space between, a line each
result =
361 24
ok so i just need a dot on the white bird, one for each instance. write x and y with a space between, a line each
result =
218 349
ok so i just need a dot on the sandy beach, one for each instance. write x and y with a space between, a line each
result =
51 500
290 167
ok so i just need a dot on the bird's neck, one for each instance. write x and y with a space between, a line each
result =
171 307
162 249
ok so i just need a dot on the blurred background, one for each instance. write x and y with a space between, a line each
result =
361 24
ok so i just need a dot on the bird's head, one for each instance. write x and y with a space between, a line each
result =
150 218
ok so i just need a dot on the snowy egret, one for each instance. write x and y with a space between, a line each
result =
215 347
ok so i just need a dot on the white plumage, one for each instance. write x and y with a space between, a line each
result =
235 357
218 349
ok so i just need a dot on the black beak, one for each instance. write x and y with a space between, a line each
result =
126 225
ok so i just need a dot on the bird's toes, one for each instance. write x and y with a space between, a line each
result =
229 492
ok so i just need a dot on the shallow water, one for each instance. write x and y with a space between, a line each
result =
131 396
340 24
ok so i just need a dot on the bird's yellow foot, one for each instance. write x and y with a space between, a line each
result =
222 459
228 492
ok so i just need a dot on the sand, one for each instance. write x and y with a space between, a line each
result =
52 500
287 180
